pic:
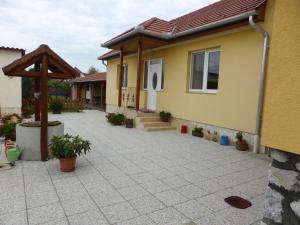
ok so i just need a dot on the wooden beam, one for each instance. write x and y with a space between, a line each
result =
138 75
121 78
44 109
25 73
37 89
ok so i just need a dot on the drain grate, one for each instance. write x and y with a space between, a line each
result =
238 202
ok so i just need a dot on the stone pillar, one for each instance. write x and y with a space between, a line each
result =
282 197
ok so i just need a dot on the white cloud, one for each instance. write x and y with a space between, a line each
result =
75 29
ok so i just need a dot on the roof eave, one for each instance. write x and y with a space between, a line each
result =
168 36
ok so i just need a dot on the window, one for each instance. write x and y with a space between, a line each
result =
205 71
125 76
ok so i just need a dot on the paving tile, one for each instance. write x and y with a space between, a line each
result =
91 217
78 205
213 202
192 209
155 186
119 212
211 219
170 197
168 216
210 186
142 178
147 204
45 213
175 181
236 216
133 192
191 191
106 198
61 221
142 220
41 198
12 205
14 218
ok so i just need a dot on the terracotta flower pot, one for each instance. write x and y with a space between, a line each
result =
165 119
241 145
67 165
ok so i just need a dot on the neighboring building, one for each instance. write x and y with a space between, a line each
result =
10 87
90 89
208 67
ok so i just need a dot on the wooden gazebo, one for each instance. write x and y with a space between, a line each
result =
47 65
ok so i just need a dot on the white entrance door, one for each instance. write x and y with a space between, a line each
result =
154 82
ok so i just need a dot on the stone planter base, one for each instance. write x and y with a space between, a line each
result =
28 139
282 198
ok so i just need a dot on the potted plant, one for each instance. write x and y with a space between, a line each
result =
56 105
129 123
66 148
27 111
165 116
198 132
11 118
215 136
8 130
241 144
208 135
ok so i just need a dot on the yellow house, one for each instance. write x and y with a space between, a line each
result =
208 68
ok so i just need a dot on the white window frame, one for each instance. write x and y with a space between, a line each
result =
146 62
205 72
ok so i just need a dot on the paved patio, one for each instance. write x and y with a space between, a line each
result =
132 177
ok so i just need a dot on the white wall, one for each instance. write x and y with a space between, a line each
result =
10 87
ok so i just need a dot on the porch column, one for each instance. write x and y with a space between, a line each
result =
91 93
138 75
101 94
44 109
37 89
120 78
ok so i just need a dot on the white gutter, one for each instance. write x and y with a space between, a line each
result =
168 36
261 82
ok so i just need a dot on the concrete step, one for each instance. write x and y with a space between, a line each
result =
159 128
156 124
149 119
143 114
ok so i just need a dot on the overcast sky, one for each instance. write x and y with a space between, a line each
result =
76 29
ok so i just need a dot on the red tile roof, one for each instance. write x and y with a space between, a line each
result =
13 49
91 78
215 12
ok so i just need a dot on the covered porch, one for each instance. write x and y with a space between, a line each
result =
90 90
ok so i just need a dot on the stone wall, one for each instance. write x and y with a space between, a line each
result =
282 198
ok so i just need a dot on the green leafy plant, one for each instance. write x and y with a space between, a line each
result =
68 146
165 116
8 130
56 105
9 117
239 136
198 129
27 111
116 118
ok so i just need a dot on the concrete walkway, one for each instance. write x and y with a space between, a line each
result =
132 177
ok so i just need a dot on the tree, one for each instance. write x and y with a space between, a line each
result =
92 70
27 87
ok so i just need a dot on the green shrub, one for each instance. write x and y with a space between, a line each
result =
116 118
164 114
198 130
56 105
68 146
239 136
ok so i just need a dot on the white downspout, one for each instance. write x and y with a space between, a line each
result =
265 34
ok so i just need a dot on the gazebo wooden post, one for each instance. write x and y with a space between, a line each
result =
44 108
138 75
120 78
37 109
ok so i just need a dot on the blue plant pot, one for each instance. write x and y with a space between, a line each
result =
224 140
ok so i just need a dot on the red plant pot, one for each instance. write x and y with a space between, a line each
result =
67 165
165 119
184 129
